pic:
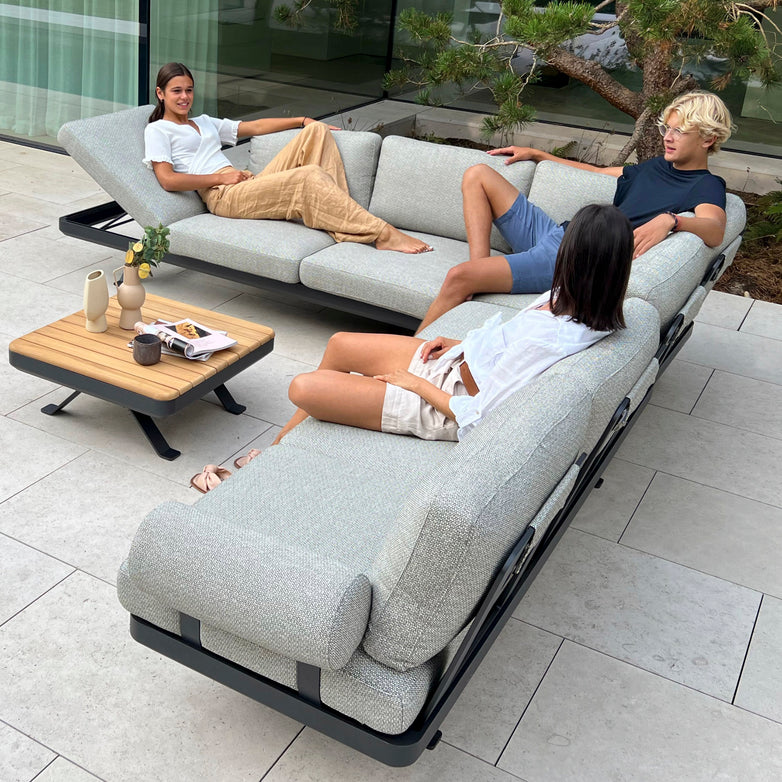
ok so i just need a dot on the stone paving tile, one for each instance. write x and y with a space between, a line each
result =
315 758
595 719
760 688
55 187
608 509
488 710
706 452
735 351
764 319
743 402
63 770
21 758
681 385
93 498
123 712
29 455
724 309
25 575
710 530
670 620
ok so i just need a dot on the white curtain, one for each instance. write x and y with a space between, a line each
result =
67 59
64 60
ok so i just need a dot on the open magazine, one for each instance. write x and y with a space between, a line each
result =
187 338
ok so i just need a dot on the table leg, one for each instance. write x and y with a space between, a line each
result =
228 402
52 409
155 436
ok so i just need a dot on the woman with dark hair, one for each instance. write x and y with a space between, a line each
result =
442 388
305 180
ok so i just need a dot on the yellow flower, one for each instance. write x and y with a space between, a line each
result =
143 270
138 247
129 257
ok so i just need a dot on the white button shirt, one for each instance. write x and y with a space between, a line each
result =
503 357
186 150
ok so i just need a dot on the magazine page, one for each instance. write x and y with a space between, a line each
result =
188 338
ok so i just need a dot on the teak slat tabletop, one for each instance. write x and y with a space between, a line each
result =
102 364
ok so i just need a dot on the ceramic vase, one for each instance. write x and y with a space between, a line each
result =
130 295
96 301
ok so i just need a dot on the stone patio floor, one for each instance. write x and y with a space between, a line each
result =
649 647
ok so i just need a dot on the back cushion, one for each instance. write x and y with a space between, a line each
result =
560 190
110 149
418 186
462 519
359 150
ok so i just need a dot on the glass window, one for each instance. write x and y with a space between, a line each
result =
80 60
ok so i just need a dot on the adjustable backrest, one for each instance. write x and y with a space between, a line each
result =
110 149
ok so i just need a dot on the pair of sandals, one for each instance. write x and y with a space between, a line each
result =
213 475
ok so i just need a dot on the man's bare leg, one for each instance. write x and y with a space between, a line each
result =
486 195
484 275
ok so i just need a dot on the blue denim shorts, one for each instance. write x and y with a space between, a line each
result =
535 239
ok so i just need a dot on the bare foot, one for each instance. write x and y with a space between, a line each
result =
393 239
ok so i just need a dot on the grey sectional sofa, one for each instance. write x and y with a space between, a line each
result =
355 580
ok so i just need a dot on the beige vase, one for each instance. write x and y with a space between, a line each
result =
130 295
96 301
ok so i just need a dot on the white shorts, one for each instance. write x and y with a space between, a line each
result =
404 412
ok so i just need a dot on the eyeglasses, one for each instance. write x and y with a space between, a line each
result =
677 132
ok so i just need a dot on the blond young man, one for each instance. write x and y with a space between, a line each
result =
651 194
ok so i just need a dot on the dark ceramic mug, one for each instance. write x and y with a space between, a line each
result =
146 349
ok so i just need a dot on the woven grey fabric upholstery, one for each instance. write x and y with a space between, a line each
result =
270 248
110 149
464 516
418 186
359 151
561 190
398 281
287 599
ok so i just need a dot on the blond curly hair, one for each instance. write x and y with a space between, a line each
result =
704 112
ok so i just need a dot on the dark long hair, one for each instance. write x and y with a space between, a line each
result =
169 71
593 267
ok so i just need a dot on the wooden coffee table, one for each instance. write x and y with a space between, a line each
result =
102 365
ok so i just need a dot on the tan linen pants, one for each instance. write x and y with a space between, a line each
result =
304 181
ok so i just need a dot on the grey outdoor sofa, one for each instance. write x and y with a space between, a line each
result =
354 580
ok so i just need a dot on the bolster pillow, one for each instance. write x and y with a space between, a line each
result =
279 596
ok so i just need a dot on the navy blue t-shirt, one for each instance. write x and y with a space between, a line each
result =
655 186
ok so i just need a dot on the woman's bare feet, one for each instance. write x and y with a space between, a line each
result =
393 239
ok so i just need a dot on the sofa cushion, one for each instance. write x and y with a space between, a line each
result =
268 248
359 151
287 599
561 190
464 515
397 281
110 149
418 186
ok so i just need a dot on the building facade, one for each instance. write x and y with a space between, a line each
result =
65 59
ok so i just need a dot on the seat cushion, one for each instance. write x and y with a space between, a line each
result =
561 190
269 248
418 186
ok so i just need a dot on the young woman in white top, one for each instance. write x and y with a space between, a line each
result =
305 181
440 389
